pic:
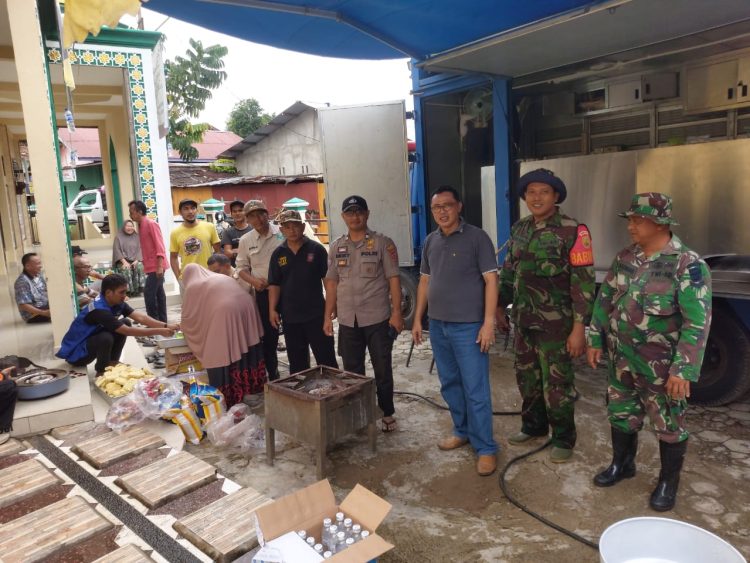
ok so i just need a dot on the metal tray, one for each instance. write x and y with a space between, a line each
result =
41 383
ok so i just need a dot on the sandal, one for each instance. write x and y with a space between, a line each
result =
389 424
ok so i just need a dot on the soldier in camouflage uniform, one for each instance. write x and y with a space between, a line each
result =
654 309
548 276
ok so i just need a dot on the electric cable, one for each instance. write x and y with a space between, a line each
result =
503 485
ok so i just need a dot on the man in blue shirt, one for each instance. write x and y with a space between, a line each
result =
31 291
100 329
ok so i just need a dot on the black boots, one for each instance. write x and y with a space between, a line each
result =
665 493
624 447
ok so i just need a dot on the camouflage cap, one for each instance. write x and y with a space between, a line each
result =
254 205
289 216
651 205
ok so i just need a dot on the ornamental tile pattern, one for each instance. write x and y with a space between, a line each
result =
132 63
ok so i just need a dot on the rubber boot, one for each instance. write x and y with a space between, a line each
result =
665 494
624 448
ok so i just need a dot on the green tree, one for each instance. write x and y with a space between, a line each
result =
190 81
247 116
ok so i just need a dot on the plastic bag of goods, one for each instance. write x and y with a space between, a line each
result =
208 401
183 415
237 429
124 413
157 395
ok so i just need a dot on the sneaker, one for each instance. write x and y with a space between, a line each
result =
486 464
452 442
520 438
560 455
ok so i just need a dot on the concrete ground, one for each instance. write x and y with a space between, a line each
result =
443 511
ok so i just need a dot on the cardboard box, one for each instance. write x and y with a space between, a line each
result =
306 508
179 360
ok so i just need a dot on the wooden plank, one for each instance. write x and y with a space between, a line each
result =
126 554
22 480
102 451
166 479
223 530
39 535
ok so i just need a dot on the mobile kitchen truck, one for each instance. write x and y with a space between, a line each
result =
615 96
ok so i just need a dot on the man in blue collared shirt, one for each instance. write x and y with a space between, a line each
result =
31 291
459 281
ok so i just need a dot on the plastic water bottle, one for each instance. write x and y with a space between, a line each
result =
327 555
348 527
310 541
302 534
318 547
364 534
340 541
69 121
331 538
356 531
326 530
339 518
349 542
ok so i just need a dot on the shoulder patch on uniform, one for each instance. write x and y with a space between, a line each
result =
392 252
696 274
582 253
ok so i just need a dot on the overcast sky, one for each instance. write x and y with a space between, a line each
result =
278 78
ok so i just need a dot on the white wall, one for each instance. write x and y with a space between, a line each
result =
294 148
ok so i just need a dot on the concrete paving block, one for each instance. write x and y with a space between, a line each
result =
106 449
23 480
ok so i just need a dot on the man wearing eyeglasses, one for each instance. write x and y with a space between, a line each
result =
82 269
459 281
364 290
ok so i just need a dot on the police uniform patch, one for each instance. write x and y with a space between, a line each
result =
282 260
582 253
370 244
342 262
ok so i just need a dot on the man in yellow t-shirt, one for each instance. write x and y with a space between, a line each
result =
193 241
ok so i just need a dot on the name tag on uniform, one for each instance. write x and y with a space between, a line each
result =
373 253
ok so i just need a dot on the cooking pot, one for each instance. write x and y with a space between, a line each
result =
41 383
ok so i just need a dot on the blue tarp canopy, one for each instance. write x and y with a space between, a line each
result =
365 29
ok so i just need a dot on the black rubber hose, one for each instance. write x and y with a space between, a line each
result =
443 407
504 485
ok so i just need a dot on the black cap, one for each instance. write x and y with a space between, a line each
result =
187 201
542 176
354 201
236 202
77 251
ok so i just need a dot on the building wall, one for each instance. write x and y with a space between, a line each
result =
292 149
272 194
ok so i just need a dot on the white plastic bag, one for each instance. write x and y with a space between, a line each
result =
237 429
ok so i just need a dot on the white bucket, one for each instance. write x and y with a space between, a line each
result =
661 540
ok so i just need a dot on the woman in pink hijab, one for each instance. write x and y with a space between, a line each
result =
223 329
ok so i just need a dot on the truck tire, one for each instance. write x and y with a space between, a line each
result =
408 298
725 374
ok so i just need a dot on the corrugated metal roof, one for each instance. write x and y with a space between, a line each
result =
236 180
293 111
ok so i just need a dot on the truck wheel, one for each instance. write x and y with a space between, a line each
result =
408 298
725 374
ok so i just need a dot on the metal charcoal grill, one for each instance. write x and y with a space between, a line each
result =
319 406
